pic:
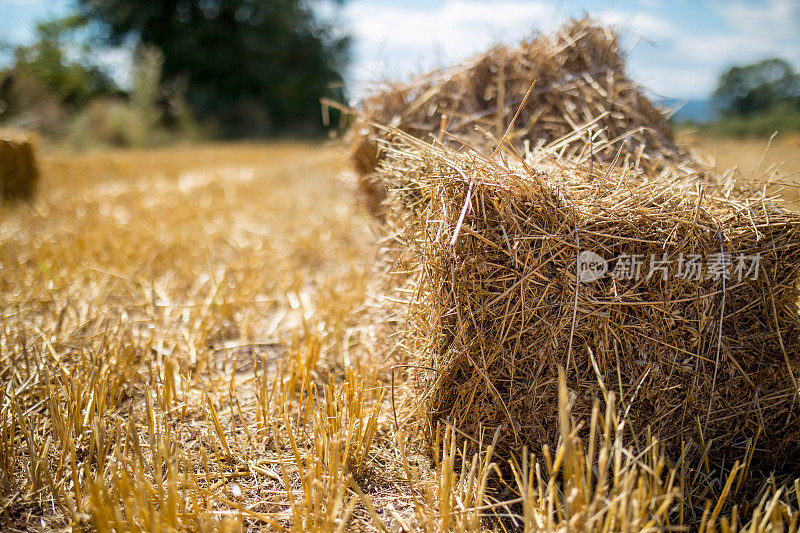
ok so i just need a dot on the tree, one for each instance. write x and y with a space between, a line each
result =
252 67
51 78
60 62
750 89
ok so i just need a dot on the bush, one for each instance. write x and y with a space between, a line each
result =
783 119
32 105
139 119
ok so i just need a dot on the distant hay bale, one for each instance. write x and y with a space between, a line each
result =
702 354
18 170
371 191
580 80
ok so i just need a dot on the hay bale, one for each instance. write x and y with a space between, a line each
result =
371 190
580 79
499 306
18 170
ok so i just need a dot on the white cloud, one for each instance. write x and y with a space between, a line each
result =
683 81
640 24
681 58
395 40
750 32
720 50
771 20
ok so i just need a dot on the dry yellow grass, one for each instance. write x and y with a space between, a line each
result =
754 157
187 343
136 294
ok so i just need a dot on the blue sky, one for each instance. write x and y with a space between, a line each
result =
18 17
677 48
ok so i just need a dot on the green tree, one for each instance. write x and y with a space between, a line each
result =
751 89
52 78
251 67
60 62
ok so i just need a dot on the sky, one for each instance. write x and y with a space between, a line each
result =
676 48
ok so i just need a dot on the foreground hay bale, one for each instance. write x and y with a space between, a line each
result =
580 80
694 324
18 170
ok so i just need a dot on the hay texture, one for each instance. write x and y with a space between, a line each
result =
498 306
18 170
581 93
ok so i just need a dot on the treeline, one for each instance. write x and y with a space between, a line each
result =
758 99
221 68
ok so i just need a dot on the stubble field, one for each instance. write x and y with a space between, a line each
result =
195 338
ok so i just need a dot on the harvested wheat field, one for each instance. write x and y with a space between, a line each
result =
777 158
195 339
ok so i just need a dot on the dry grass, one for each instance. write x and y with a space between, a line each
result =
187 342
779 157
169 322
498 304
